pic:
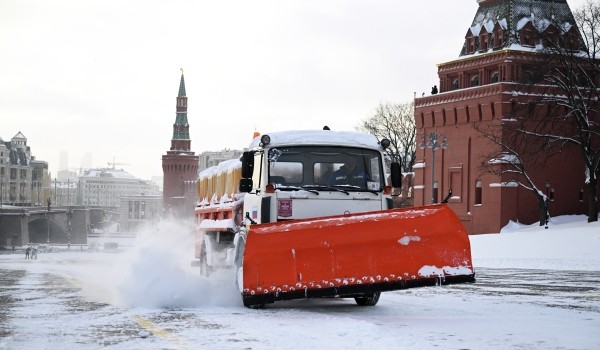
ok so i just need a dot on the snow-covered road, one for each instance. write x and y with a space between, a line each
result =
535 289
63 301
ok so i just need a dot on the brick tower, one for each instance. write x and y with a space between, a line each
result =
480 88
180 164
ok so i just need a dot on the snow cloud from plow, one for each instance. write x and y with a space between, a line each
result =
156 273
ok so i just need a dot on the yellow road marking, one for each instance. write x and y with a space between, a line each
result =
159 332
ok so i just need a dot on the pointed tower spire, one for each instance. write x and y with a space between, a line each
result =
181 134
181 85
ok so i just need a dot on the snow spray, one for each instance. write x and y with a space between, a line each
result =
156 272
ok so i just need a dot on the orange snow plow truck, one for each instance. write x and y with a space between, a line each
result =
308 214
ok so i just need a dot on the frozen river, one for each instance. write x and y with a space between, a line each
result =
89 300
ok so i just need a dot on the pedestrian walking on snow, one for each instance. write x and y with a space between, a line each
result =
27 251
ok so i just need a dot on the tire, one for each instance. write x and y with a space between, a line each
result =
239 271
369 299
238 263
205 270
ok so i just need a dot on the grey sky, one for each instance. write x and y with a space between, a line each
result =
102 76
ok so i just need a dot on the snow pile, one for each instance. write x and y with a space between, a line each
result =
569 243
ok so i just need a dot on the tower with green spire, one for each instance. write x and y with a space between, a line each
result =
180 164
180 142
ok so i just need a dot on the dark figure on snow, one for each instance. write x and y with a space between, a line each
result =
27 252
434 90
349 174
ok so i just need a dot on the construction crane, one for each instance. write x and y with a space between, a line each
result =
113 163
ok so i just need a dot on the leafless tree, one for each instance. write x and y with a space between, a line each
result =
570 74
396 123
515 152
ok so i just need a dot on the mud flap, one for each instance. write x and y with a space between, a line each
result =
355 254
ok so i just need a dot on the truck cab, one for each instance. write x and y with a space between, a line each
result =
306 174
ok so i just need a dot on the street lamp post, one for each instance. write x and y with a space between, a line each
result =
48 221
433 145
69 214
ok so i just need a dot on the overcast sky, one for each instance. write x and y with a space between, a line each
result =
103 76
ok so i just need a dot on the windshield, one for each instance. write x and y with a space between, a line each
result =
320 166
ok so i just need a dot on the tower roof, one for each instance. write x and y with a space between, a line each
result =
511 16
181 86
19 136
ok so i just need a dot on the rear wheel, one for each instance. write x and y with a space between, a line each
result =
369 299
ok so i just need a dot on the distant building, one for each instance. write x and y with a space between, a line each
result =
180 164
209 159
137 211
66 175
65 192
104 187
23 179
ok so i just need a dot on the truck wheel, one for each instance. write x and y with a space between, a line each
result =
205 270
238 264
369 299
239 271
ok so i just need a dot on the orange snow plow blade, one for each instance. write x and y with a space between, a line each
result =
350 255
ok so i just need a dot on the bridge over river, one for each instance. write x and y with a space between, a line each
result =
60 225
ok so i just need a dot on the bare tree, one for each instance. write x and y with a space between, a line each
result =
396 123
570 72
516 151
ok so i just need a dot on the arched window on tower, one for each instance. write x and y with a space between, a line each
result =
455 84
494 77
528 77
474 80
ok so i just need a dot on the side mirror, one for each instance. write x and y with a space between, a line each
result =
245 185
247 164
396 175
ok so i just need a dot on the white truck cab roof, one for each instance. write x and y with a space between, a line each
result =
318 137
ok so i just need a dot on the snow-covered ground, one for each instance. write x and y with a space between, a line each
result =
536 289
569 243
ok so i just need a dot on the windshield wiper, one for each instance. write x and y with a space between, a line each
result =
354 187
295 188
328 188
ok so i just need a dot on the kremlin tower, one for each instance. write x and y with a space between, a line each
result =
482 90
180 164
